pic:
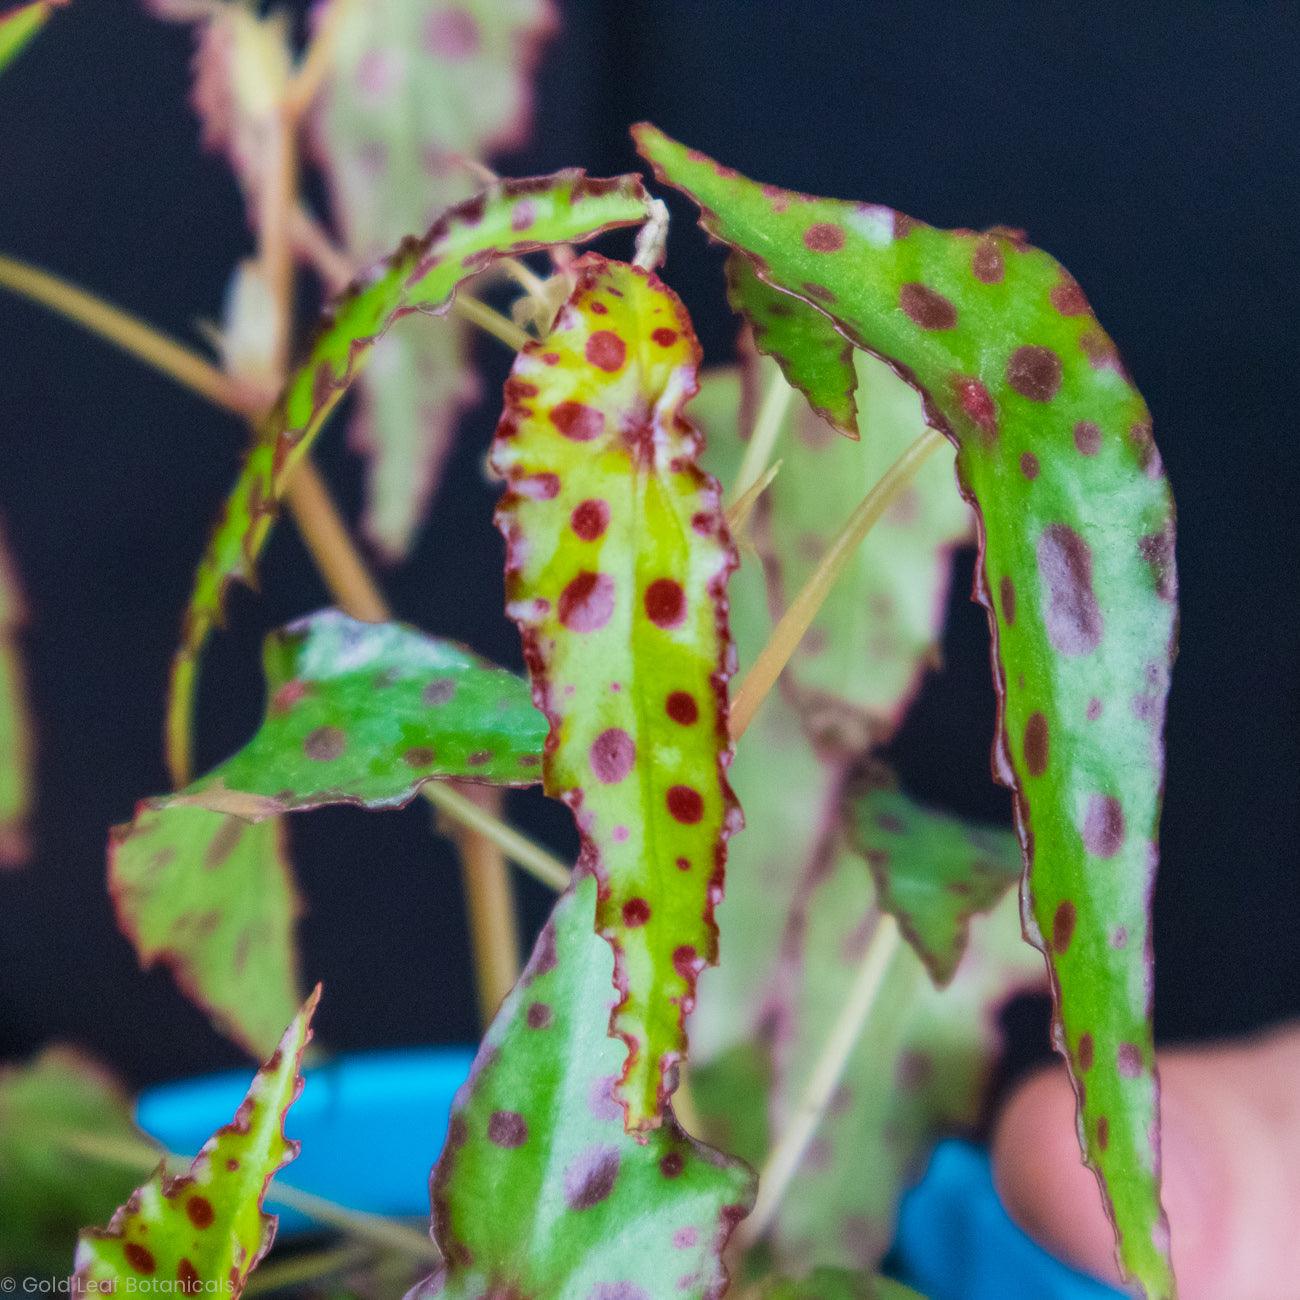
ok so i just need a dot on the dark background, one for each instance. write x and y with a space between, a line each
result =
1152 148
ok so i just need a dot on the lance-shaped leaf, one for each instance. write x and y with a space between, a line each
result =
205 1230
242 68
15 723
48 1188
920 1068
18 26
812 354
858 668
357 713
933 872
212 898
421 276
540 1191
786 802
414 90
616 569
1076 571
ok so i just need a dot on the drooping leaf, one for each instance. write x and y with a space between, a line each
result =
920 1067
421 276
814 357
837 1284
212 898
414 90
19 25
357 713
861 662
242 68
48 1190
366 713
933 872
786 802
15 723
616 568
540 1191
1077 575
205 1230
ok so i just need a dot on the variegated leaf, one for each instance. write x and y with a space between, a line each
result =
933 872
212 899
616 569
920 1068
415 90
421 276
1077 575
837 1284
357 713
205 1230
48 1188
539 1190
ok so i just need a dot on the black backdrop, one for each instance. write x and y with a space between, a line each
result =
1153 148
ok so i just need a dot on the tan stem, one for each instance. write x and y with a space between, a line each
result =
315 64
767 428
783 1160
742 507
803 609
281 1274
131 335
480 314
491 906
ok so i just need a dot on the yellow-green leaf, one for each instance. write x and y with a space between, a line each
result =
616 570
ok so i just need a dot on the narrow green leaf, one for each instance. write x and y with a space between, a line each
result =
616 569
1076 572
814 357
422 275
16 757
205 1230
920 1068
48 1191
933 872
357 713
540 1191
18 26
413 92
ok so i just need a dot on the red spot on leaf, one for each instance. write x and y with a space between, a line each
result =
1129 1059
587 602
590 1178
1063 926
685 804
671 1164
578 422
681 707
977 402
824 237
139 1257
200 1211
606 351
1086 1052
1065 565
930 310
1087 438
325 744
612 754
1029 466
507 1128
1036 744
1035 372
1103 826
452 34
665 337
987 265
1008 591
589 519
636 912
665 602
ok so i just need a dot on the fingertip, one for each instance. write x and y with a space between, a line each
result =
1042 1180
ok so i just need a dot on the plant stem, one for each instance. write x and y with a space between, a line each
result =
493 930
144 1156
742 507
314 66
803 609
783 1160
518 848
130 334
767 428
471 309
279 1275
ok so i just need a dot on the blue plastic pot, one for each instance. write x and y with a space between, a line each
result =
370 1125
